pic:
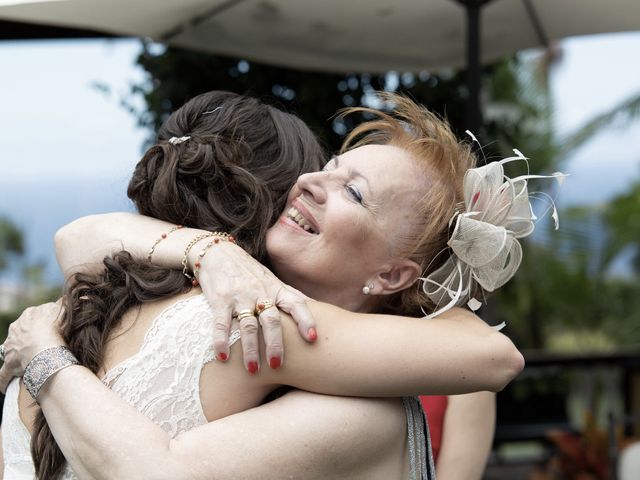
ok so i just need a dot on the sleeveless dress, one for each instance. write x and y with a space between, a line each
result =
162 381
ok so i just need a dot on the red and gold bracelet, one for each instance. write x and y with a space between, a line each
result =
218 237
160 238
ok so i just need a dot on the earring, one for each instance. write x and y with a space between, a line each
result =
367 289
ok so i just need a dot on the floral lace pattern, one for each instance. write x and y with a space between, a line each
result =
162 380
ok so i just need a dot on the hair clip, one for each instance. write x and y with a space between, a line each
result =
211 111
178 140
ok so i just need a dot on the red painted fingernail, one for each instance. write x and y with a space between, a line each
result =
252 367
275 362
222 357
312 334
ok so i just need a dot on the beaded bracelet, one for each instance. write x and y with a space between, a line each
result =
185 256
218 237
42 367
160 238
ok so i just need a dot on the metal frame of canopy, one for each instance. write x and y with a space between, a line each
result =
473 9
29 31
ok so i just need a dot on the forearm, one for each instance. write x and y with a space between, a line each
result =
1 457
300 434
386 356
85 242
467 436
100 435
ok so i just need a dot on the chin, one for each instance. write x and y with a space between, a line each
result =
279 252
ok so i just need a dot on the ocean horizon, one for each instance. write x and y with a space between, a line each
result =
40 207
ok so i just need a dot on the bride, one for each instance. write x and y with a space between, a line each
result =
356 235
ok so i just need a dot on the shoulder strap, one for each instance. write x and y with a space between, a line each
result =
418 441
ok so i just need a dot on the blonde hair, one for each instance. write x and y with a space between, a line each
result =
442 160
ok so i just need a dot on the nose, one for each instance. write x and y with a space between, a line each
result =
314 186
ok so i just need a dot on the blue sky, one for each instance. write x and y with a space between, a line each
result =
595 74
68 148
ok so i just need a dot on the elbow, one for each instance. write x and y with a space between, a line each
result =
84 241
63 236
64 242
67 241
70 235
508 363
177 460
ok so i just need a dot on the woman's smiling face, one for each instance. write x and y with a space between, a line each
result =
339 225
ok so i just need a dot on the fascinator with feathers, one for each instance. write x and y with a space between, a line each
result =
484 247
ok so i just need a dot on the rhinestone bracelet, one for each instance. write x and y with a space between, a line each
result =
46 363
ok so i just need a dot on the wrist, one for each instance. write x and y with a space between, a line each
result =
28 353
67 378
199 247
44 365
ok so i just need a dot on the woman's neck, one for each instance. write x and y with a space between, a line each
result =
354 301
349 297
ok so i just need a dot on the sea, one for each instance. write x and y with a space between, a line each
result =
40 207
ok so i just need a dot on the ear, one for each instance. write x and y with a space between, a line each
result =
398 276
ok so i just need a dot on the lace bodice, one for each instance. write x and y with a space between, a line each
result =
162 380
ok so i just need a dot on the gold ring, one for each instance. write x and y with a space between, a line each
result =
263 305
244 314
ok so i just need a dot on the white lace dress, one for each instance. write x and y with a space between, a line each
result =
162 381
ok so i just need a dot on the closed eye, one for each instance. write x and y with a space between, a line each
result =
354 193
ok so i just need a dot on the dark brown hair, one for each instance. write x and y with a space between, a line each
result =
233 173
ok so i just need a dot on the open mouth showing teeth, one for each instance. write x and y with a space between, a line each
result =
297 217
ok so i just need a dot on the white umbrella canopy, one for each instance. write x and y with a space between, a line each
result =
373 36
336 35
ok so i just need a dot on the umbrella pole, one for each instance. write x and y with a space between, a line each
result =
473 66
473 9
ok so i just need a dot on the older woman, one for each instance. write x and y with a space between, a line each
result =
356 235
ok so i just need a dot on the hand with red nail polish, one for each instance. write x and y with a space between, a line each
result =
312 335
275 362
252 367
235 282
294 302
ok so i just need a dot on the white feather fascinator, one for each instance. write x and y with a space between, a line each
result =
484 244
